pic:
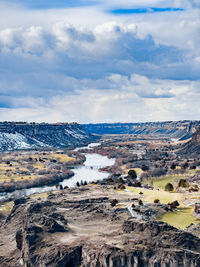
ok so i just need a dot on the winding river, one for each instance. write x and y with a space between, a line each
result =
88 172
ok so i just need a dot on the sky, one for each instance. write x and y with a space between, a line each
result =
99 60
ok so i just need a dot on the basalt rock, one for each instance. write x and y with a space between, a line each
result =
191 148
23 135
84 230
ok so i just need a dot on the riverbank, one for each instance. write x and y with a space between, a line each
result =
22 170
87 171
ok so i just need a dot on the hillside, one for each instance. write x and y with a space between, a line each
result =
21 135
178 129
192 148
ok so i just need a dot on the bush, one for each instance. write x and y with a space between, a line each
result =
156 201
140 202
185 165
174 204
169 187
114 202
158 172
122 186
145 168
173 166
183 183
193 167
132 174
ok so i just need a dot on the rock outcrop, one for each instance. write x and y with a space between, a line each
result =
191 148
80 228
171 129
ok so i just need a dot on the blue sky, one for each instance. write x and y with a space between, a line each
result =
99 61
46 4
122 11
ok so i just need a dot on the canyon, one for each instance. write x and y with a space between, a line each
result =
79 227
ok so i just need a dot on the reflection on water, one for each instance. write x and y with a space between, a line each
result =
88 172
91 145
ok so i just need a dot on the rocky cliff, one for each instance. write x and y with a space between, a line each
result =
171 129
191 148
80 228
14 136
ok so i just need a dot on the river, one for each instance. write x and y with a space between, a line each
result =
88 172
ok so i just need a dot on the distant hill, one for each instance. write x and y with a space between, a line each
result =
22 135
172 129
192 148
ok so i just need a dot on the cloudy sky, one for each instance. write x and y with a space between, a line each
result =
99 60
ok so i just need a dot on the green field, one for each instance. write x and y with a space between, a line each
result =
179 219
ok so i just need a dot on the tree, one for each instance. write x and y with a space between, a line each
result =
183 183
132 174
185 165
145 168
113 202
169 187
173 166
140 202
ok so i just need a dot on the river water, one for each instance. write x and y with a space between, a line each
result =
88 172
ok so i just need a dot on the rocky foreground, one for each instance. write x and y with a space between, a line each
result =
81 227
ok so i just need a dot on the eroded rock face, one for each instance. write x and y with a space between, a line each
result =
192 148
84 230
172 129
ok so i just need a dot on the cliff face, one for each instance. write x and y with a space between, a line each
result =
178 129
15 136
196 136
192 148
79 228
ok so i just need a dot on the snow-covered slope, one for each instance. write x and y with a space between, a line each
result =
14 136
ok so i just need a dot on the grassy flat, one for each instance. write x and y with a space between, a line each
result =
160 182
179 219
150 195
62 157
6 206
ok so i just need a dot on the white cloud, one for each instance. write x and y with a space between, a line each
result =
87 65
123 103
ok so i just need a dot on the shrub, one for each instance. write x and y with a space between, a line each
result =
156 201
114 202
173 166
169 187
132 174
158 172
183 183
193 167
140 202
185 165
145 168
174 204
